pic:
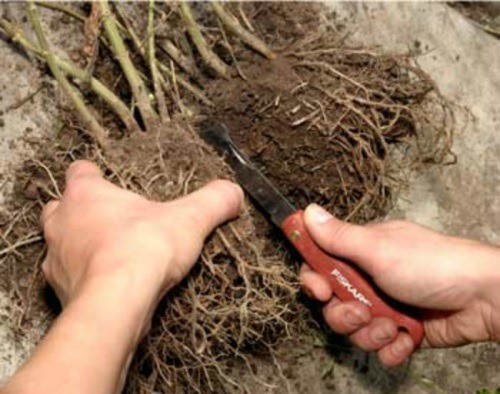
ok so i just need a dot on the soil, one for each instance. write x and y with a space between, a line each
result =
326 134
319 146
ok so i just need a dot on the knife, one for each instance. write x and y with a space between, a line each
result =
347 281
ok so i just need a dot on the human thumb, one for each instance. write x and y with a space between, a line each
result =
213 204
341 239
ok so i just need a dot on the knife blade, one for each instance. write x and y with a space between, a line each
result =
249 177
347 281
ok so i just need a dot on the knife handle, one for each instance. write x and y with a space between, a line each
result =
348 283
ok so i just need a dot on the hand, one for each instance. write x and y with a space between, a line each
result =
99 234
111 256
455 282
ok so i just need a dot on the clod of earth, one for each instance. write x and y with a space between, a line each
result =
327 122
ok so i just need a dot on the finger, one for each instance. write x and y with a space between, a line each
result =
346 317
315 285
398 351
380 332
48 272
212 205
48 211
355 243
46 269
82 168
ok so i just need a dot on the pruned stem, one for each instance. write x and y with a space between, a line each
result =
178 57
164 69
159 94
66 10
70 69
97 132
231 52
234 27
137 85
198 93
199 41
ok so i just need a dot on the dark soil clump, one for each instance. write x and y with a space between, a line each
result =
323 121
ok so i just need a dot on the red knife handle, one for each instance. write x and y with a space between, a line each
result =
347 282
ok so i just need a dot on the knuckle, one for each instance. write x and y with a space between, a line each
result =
333 316
50 234
339 232
47 272
383 252
80 166
48 211
81 169
78 188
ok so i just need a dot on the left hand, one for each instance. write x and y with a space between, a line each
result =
111 256
99 235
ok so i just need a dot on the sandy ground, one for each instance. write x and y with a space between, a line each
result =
463 199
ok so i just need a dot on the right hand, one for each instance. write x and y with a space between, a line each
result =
455 282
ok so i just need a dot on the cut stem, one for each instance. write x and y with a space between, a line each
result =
69 68
206 53
234 27
178 57
163 68
139 90
196 92
66 10
159 94
96 131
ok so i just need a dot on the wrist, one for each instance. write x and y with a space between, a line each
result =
488 288
119 301
96 335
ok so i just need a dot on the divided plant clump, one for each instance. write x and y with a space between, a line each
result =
327 122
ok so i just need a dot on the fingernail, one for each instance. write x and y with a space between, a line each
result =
355 319
382 335
320 215
401 346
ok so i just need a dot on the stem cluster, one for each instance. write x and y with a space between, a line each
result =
149 92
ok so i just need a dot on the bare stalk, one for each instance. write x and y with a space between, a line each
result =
231 52
70 11
196 92
160 96
164 69
96 131
178 57
127 28
66 10
137 85
234 27
69 68
199 41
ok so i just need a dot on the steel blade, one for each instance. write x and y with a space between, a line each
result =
249 177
